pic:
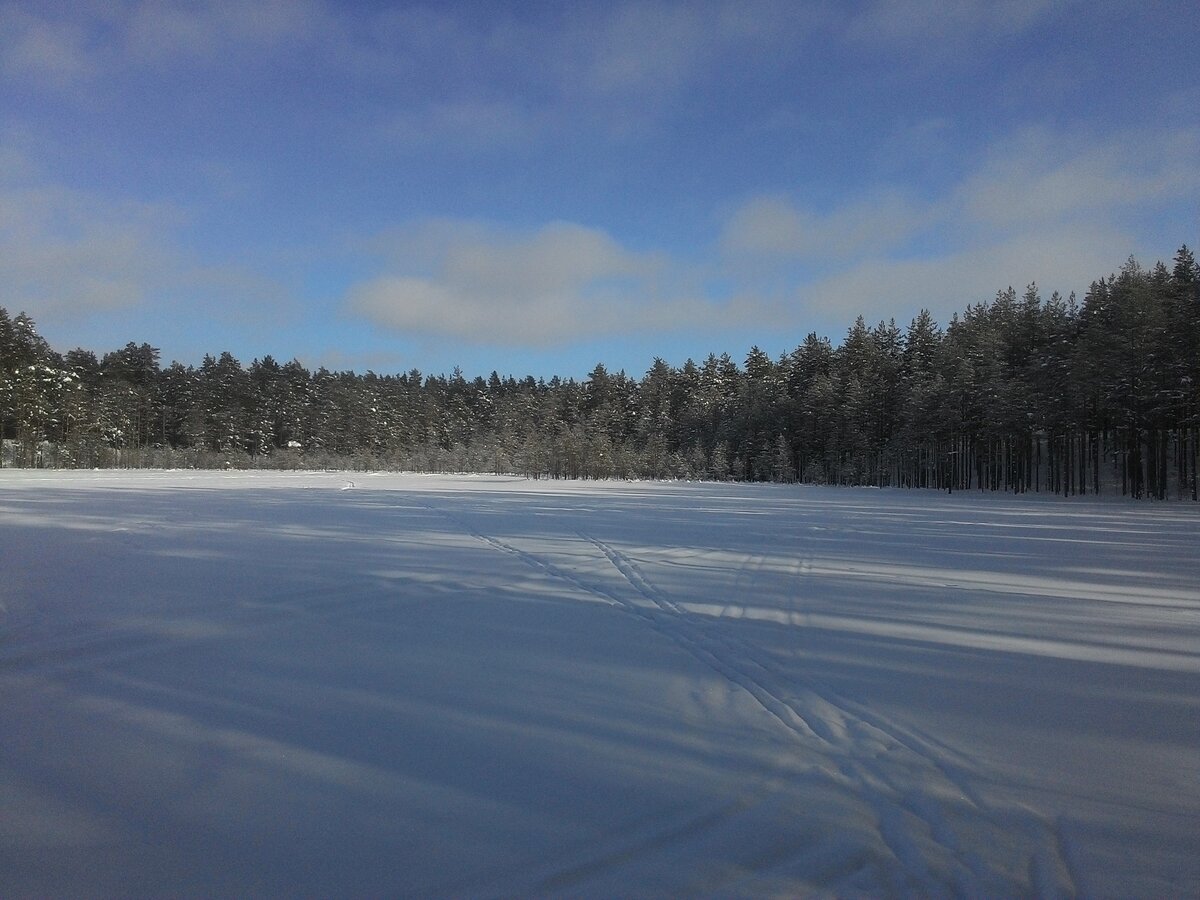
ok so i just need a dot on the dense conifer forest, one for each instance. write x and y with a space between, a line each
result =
1023 393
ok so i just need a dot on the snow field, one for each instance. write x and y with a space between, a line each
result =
217 684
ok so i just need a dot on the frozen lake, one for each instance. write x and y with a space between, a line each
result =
223 684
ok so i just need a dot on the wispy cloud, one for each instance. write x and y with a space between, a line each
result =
54 50
612 69
64 45
636 58
167 31
640 46
430 73
932 21
1036 177
1045 207
455 126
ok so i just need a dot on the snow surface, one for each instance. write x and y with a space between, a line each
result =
224 684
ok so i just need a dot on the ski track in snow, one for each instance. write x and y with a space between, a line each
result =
866 746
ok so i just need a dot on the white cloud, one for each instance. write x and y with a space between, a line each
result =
65 252
1036 182
772 227
1063 259
1033 179
1057 209
561 283
68 254
1036 209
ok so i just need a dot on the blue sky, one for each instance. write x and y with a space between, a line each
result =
536 187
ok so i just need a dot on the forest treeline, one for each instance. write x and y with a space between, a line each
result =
1022 393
